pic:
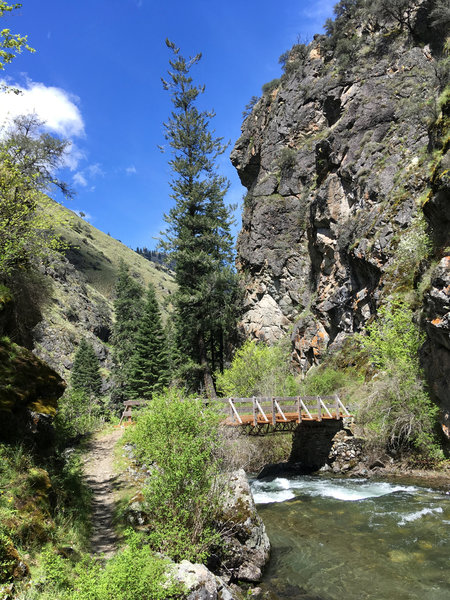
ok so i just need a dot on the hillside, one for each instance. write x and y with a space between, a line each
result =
345 159
80 291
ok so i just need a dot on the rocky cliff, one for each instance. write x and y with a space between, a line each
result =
344 191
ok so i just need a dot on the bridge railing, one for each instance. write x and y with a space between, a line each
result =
276 409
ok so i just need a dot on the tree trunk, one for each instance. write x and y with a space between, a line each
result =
207 377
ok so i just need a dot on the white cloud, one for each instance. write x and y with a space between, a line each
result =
94 170
56 107
80 179
73 156
131 170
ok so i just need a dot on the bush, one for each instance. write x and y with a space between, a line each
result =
270 86
134 573
397 407
287 159
323 381
258 370
78 414
180 434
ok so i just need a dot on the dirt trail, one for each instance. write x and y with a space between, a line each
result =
103 482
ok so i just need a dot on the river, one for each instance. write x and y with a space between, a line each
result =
352 539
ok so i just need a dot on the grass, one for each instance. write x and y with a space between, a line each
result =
98 255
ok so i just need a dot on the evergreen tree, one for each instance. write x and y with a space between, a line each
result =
128 311
198 237
85 374
149 365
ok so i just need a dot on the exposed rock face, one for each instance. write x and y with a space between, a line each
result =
336 166
29 392
245 548
201 584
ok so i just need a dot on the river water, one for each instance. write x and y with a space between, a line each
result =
352 539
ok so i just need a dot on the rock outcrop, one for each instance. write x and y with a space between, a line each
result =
201 584
245 545
29 392
335 158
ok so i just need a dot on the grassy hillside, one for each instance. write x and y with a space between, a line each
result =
97 256
80 282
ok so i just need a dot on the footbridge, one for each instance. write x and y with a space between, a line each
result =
261 415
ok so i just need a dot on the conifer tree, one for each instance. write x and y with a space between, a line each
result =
198 238
85 374
149 366
128 311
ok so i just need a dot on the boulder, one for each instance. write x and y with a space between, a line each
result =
245 546
201 584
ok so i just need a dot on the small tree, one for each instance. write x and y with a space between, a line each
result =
128 311
85 374
149 365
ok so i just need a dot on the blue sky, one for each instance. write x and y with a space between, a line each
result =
96 78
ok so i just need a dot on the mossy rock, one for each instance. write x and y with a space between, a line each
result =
11 565
26 381
29 393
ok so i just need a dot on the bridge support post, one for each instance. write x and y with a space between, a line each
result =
312 441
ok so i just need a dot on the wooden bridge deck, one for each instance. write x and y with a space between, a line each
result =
262 414
270 414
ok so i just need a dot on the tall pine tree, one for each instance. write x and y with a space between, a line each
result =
149 365
128 312
85 373
198 237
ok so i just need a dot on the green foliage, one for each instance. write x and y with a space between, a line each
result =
270 86
180 435
198 238
392 340
258 370
85 375
398 408
324 381
414 247
287 159
77 414
40 503
293 59
28 160
133 573
128 310
250 106
149 363
11 44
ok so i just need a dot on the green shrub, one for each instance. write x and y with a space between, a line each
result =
270 86
287 159
323 381
78 414
414 247
134 573
179 434
258 370
397 407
